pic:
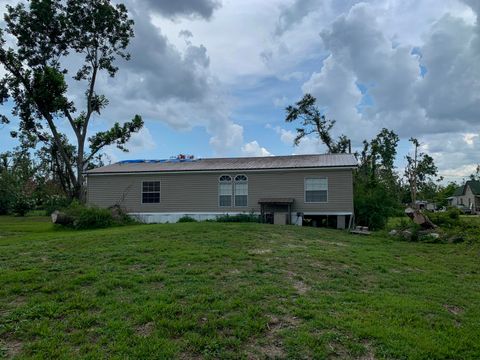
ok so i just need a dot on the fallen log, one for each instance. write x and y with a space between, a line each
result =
420 218
61 218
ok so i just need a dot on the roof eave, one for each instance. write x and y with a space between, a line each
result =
220 170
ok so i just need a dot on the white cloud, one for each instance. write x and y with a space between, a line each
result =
308 145
254 149
469 138
141 141
456 154
227 136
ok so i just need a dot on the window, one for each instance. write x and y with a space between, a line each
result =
150 192
225 191
316 190
241 190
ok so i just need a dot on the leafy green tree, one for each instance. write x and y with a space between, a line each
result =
376 182
17 181
419 171
314 122
50 36
378 156
443 193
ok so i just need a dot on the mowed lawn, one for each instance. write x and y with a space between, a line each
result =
211 290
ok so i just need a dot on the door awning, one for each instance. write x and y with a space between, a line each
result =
276 201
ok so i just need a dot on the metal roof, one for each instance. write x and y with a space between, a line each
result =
238 163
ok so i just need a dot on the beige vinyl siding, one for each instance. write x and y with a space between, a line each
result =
198 192
468 198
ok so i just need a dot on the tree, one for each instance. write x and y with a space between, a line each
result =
17 181
476 175
51 36
376 182
378 156
314 122
444 192
419 171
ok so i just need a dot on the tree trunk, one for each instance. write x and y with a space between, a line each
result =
420 218
61 218
80 165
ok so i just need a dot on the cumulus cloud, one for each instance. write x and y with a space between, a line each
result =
254 149
360 54
189 8
430 90
456 154
141 141
450 91
293 14
308 145
174 85
227 136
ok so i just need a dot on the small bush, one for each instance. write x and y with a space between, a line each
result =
84 217
253 218
185 219
448 219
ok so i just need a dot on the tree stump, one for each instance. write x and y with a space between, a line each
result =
61 218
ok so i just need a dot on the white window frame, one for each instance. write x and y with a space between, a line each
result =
305 189
151 192
235 189
231 192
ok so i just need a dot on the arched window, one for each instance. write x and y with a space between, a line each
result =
225 191
241 190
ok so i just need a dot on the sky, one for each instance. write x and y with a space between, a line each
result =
213 77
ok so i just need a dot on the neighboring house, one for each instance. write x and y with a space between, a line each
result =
467 195
427 205
283 189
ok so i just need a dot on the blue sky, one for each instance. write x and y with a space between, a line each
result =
212 77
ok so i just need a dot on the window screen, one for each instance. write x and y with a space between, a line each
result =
241 190
225 191
316 190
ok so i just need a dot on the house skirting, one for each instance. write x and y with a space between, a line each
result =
173 217
162 218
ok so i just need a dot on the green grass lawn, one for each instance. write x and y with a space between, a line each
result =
211 290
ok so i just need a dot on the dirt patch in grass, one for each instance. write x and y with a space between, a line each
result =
340 351
336 243
259 251
270 345
300 286
455 310
369 355
145 330
18 301
10 348
156 285
189 356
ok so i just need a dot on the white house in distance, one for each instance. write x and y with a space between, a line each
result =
282 189
467 195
